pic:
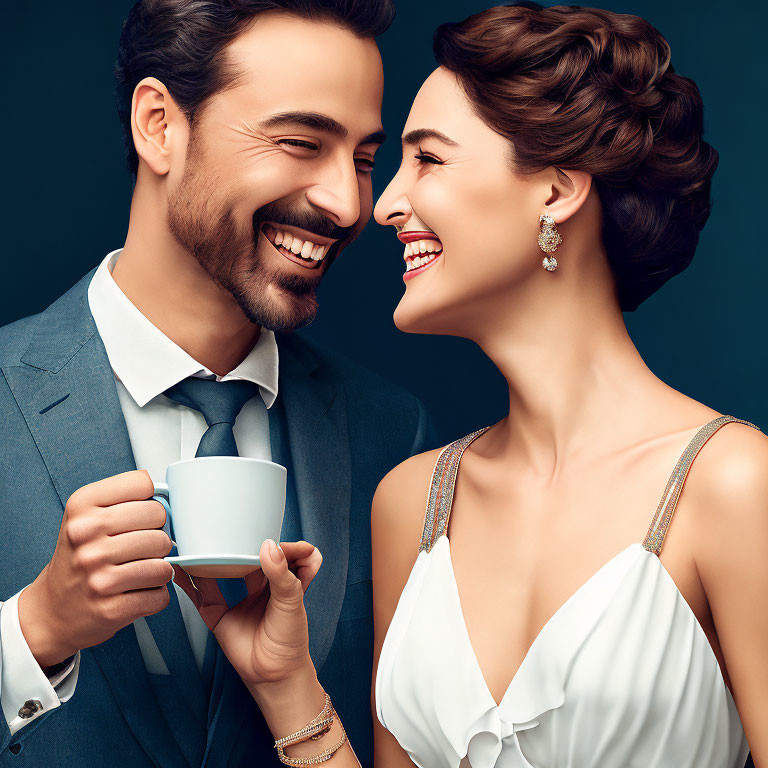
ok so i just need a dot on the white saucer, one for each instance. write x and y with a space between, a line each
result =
217 566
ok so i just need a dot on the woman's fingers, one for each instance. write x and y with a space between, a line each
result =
284 587
204 594
304 560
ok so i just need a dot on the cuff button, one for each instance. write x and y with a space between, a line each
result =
30 707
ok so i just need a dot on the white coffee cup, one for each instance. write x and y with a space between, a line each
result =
222 509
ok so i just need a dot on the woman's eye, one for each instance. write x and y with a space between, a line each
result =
298 143
424 158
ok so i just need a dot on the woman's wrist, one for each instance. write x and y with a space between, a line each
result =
289 704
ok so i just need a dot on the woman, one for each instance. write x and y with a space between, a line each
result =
517 636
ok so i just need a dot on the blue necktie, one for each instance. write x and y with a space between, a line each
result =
219 402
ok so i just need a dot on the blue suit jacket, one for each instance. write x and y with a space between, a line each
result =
336 427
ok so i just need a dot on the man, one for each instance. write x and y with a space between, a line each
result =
251 128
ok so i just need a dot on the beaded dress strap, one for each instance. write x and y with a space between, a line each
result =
654 539
441 486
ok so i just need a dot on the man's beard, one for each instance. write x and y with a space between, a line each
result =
268 297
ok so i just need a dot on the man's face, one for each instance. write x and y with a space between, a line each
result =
283 157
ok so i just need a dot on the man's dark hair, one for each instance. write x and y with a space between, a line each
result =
180 42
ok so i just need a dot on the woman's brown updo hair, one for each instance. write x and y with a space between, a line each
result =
593 90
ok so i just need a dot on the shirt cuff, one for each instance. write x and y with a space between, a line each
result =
25 691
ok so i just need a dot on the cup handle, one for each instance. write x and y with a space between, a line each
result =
162 494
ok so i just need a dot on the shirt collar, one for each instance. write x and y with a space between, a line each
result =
147 362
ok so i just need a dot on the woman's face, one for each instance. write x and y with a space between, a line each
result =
474 221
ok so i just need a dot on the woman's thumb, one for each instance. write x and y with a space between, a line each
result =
284 587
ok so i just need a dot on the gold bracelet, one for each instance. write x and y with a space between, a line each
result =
313 730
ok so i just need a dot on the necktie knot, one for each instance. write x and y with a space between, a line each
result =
219 402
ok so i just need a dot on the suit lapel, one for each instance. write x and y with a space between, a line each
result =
316 442
66 392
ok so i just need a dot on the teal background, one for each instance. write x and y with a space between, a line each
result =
67 195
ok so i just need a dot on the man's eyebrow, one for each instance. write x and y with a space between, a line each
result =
418 135
318 122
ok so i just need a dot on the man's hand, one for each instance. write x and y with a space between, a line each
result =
107 569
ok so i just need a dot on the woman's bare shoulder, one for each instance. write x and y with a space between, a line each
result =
397 518
727 494
730 476
400 499
729 502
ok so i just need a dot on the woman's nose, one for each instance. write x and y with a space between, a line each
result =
393 207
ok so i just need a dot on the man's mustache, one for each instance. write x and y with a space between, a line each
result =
309 220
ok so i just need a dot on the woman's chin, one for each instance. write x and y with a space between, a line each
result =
411 318
408 319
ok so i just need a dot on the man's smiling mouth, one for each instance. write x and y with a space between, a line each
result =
299 248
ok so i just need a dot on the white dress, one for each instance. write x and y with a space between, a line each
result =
622 676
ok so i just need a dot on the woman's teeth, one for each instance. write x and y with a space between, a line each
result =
414 259
305 249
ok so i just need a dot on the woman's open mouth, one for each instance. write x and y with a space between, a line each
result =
422 250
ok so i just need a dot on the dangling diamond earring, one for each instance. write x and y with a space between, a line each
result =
549 241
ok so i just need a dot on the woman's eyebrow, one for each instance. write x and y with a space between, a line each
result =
419 134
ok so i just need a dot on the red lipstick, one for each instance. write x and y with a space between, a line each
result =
409 237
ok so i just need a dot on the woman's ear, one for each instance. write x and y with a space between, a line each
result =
154 116
569 190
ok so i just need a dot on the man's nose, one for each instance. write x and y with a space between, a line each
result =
337 195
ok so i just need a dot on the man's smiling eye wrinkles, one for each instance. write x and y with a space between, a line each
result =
308 145
298 143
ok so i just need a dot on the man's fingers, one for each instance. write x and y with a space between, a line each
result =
138 545
134 516
139 574
128 486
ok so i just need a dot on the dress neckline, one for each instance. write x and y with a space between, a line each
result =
547 628
440 506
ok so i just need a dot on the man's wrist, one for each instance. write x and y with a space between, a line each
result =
39 631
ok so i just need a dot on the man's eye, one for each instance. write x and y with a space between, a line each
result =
298 143
365 165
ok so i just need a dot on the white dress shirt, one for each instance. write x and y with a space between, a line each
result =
145 363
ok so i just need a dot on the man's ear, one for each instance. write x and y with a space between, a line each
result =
156 124
568 192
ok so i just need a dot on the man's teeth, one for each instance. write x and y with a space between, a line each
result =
306 249
413 250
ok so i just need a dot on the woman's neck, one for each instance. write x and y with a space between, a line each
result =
577 383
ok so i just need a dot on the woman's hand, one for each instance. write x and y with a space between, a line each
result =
265 636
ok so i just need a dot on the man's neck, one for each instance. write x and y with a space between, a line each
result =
177 295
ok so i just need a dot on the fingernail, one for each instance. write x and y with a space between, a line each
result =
275 552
